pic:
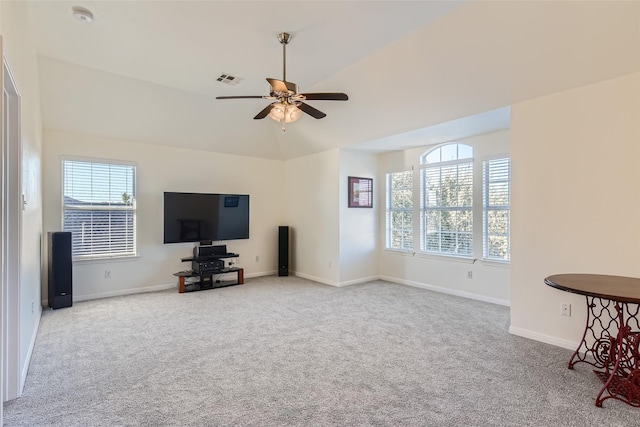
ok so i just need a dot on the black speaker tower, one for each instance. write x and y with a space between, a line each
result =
283 250
60 271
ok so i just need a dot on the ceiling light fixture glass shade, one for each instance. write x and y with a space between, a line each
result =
285 111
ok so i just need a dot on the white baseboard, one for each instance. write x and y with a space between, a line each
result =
334 283
316 279
361 280
87 297
260 274
448 291
440 289
548 339
32 343
77 298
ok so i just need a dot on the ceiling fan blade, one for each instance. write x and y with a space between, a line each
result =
265 112
283 86
313 112
239 97
332 96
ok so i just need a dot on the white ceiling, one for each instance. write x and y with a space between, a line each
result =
416 72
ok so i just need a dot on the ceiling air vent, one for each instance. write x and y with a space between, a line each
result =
229 79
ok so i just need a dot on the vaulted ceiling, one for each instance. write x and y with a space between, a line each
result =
415 72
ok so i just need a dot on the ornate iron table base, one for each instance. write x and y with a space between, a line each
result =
617 359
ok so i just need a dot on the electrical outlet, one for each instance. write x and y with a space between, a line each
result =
107 274
566 310
329 264
32 307
257 258
470 274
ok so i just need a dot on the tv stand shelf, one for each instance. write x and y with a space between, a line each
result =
210 257
207 281
206 267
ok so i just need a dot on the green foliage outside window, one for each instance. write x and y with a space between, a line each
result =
400 210
448 209
446 205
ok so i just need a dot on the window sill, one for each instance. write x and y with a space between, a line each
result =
450 258
403 252
100 260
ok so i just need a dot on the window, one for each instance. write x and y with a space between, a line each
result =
496 196
400 210
450 176
447 200
99 208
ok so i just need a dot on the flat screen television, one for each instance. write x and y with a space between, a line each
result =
194 217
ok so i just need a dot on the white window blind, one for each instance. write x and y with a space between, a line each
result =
99 208
496 197
447 200
400 210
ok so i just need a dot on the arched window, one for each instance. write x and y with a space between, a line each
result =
446 205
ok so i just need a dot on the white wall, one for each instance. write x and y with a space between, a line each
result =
358 226
576 205
490 280
159 169
20 52
312 191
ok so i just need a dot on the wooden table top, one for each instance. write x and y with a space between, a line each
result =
615 288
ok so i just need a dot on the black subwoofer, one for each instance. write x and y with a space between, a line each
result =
60 269
283 250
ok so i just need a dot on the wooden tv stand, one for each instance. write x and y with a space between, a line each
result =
207 281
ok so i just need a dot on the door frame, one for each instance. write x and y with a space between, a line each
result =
10 231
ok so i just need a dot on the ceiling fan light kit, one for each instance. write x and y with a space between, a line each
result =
288 104
288 112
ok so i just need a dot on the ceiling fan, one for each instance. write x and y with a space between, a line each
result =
288 103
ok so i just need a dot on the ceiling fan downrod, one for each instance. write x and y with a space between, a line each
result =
284 39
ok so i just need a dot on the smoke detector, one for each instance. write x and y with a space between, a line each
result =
81 14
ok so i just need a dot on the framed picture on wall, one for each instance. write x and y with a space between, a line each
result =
360 192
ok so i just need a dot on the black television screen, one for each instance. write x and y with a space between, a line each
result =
193 217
